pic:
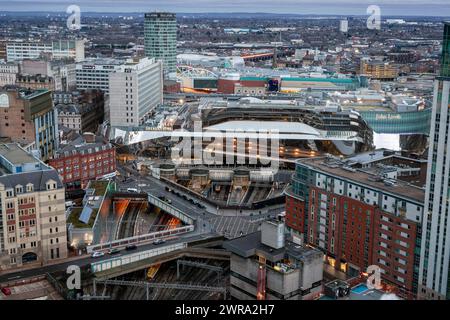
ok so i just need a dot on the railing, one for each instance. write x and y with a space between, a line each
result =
163 205
140 239
57 286
134 257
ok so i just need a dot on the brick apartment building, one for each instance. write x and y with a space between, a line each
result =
86 158
29 118
358 217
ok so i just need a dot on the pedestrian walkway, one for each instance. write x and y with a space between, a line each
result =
233 227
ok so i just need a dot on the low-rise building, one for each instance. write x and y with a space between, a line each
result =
17 50
62 71
32 217
86 158
34 82
80 111
379 70
82 221
8 73
266 266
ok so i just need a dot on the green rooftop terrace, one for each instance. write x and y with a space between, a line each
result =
75 216
100 187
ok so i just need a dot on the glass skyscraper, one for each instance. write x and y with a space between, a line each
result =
434 277
160 39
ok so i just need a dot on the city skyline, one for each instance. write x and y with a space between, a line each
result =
308 7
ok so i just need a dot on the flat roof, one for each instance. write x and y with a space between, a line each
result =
250 245
15 154
361 177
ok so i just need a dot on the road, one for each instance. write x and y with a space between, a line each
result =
207 223
231 226
86 260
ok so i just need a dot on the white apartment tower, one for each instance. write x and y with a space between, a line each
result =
134 91
435 249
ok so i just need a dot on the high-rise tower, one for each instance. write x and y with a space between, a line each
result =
434 280
160 39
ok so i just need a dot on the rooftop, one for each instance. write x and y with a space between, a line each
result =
74 217
81 146
249 245
14 154
338 168
99 187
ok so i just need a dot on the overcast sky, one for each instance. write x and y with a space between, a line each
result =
341 7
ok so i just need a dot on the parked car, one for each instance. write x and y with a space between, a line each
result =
131 247
158 241
6 291
97 254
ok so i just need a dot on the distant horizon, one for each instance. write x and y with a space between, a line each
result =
411 8
225 13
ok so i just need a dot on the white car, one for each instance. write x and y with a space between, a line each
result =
97 254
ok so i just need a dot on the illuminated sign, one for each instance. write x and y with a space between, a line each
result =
388 116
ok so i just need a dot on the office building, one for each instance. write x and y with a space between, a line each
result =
18 50
378 70
94 73
29 118
359 217
160 39
32 216
266 266
136 88
435 253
